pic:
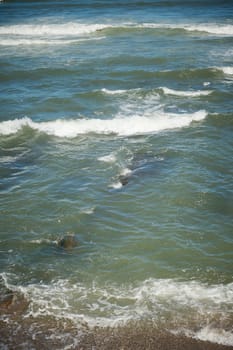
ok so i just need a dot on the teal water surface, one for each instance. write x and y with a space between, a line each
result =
116 128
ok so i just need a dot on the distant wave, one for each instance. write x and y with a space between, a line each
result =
220 29
63 29
166 91
113 92
33 41
122 126
185 93
76 29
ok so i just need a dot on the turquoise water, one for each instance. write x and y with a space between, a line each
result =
116 128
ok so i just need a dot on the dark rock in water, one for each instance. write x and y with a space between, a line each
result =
124 180
68 241
6 299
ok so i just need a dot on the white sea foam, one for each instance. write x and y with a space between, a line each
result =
122 126
217 29
13 126
215 335
62 33
113 92
61 29
42 241
213 29
126 172
109 158
186 93
27 42
227 70
44 31
192 306
119 184
118 92
116 185
88 210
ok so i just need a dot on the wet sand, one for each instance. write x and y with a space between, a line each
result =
18 331
125 338
34 334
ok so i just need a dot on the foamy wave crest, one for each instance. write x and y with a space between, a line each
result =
221 29
63 29
214 29
198 93
215 335
122 126
227 70
118 92
113 92
191 306
27 42
74 28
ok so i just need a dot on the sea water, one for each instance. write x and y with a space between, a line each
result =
116 128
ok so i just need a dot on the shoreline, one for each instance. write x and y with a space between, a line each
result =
19 330
44 333
148 338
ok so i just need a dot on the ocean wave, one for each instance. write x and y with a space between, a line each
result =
226 70
77 29
122 126
62 29
216 29
165 90
214 335
114 92
198 93
27 42
189 306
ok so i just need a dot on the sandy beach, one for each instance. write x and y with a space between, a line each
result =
42 333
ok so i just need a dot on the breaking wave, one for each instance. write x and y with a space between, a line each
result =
27 42
122 126
205 28
63 29
193 307
198 93
226 70
40 34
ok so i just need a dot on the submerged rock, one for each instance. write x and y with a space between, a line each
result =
6 299
124 179
69 241
13 303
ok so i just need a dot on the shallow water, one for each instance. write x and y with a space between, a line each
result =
116 127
